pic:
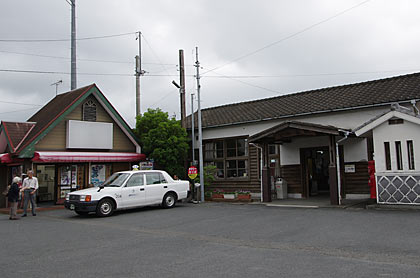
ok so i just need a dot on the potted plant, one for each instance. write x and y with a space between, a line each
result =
243 195
217 194
229 195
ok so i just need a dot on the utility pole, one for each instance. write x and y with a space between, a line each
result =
73 83
200 135
139 72
192 129
182 85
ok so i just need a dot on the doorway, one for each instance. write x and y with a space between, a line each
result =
315 171
46 181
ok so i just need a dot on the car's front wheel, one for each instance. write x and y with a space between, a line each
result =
105 208
169 200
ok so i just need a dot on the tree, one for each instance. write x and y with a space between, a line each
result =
163 140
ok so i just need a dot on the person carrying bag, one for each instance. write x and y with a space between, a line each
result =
13 197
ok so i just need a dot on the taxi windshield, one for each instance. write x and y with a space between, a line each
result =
116 180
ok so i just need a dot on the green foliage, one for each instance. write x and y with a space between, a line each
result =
163 140
209 173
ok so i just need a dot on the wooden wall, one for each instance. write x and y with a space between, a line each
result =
357 183
55 140
252 183
292 174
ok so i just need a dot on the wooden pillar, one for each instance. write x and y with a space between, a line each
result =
266 178
332 170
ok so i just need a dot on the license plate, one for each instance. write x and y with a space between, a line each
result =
72 206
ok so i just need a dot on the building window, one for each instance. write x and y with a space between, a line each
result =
89 111
272 149
410 152
395 121
387 156
236 148
398 154
236 168
230 157
213 150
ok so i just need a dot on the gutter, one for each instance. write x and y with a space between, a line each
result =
261 167
337 154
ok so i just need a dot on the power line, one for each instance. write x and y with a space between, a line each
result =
248 84
62 72
215 76
288 37
66 40
306 75
87 60
154 53
15 111
20 103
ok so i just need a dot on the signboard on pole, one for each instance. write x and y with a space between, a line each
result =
192 172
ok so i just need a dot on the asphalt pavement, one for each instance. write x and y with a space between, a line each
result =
213 240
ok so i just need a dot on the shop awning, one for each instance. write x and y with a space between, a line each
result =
72 157
5 158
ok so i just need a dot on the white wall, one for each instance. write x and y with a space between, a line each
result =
290 152
391 133
345 119
355 149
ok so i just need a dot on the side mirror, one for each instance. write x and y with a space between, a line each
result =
100 188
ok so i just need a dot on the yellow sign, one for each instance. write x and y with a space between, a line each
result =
192 172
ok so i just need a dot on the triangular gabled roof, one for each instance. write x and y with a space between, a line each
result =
373 123
58 108
15 133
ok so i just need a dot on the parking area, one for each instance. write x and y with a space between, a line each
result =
213 240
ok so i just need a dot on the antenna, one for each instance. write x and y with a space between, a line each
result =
56 85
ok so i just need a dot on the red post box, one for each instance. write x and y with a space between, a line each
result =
372 179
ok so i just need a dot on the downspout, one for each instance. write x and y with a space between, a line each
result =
413 102
346 134
261 166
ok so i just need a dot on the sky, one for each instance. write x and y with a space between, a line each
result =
247 49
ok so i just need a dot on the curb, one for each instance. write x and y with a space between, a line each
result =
20 211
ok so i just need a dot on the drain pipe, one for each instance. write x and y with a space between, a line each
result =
346 134
261 166
413 102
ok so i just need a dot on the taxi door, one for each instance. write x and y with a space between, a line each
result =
133 193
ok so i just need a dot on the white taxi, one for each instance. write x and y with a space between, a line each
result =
128 189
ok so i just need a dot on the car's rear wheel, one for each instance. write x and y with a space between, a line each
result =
169 200
105 208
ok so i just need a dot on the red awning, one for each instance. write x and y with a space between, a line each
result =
6 158
72 157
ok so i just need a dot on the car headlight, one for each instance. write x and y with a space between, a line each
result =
67 196
85 198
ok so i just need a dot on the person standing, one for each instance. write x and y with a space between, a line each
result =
13 196
29 187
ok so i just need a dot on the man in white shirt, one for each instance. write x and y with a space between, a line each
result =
29 187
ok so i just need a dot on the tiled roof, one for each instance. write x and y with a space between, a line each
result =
51 111
376 92
16 132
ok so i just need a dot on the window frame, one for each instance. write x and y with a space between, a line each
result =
132 176
90 103
410 155
226 158
387 155
398 155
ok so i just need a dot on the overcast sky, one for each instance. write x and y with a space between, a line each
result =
377 39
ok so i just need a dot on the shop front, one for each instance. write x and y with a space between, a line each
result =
62 172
